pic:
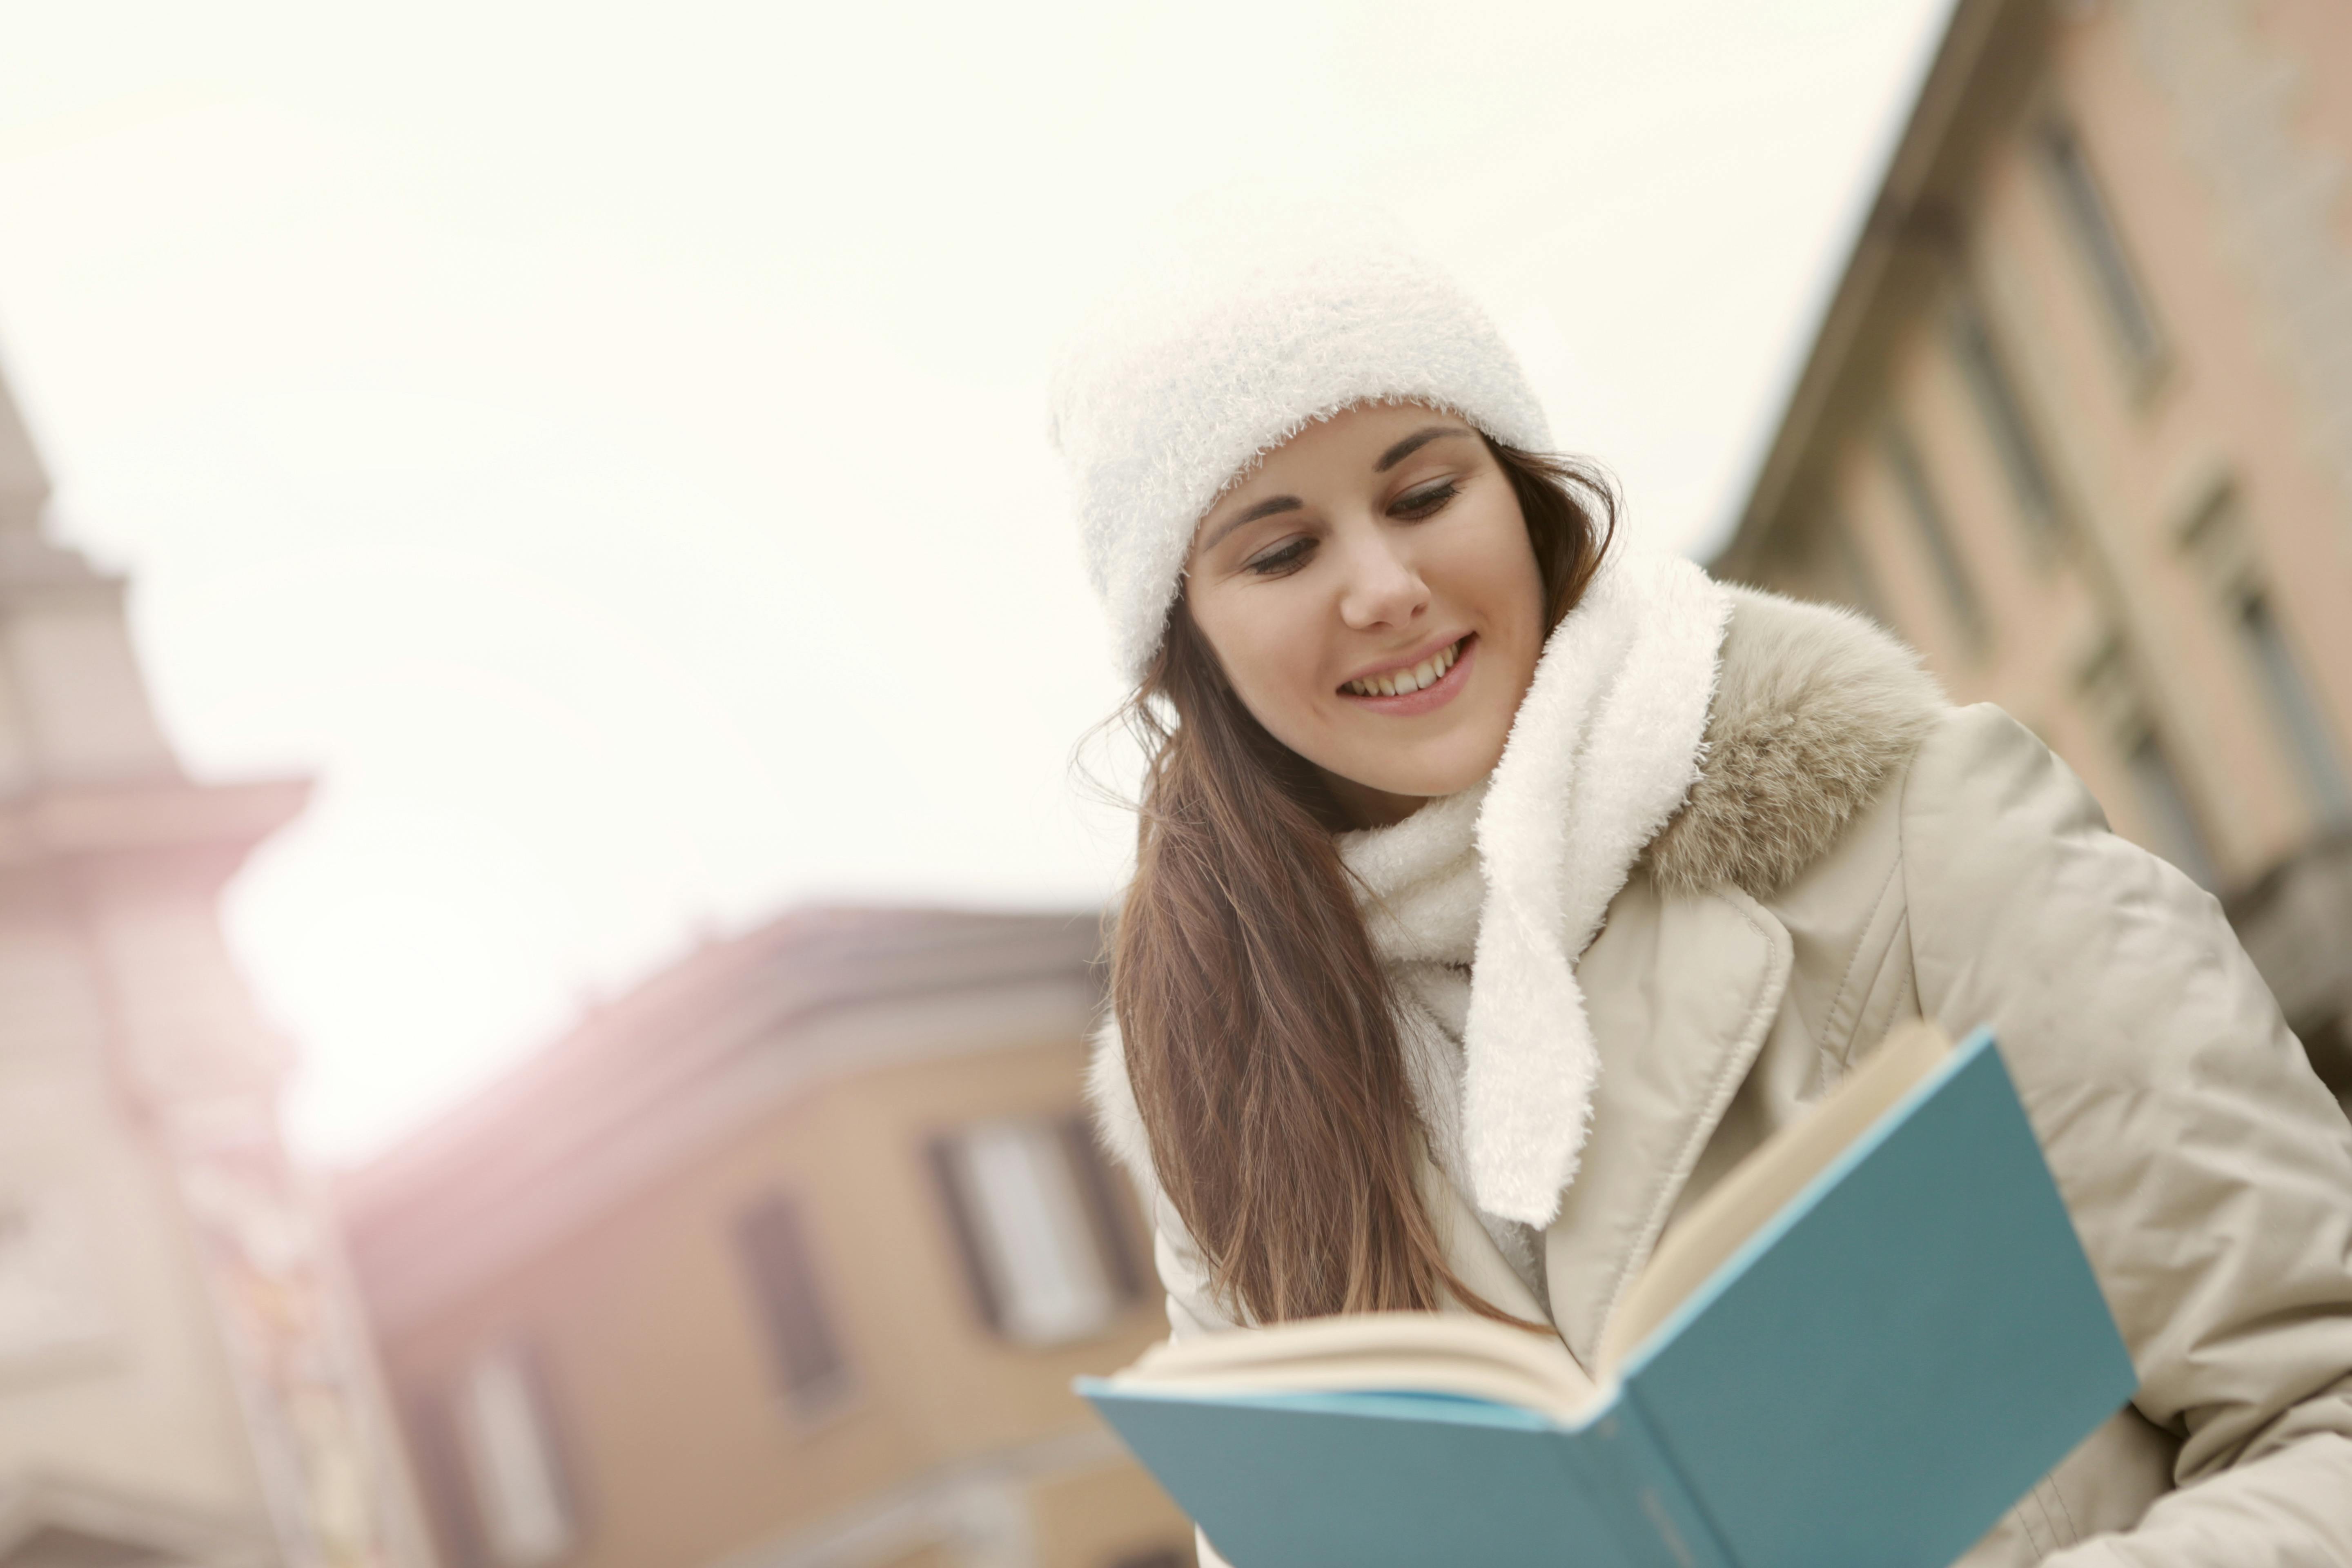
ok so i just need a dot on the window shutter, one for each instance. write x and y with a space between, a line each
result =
1031 1235
1934 532
941 1154
771 1240
2002 411
2100 244
522 1509
440 1466
1113 1235
2295 707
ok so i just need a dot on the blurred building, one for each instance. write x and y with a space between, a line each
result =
182 1378
785 1260
2078 423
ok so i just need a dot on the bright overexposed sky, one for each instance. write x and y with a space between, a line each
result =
603 443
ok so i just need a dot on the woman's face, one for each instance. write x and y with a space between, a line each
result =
1371 593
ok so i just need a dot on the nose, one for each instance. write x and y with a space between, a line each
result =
1383 587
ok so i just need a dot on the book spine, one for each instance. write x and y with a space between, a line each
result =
1636 1485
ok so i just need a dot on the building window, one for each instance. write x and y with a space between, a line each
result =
2003 414
2213 534
1043 1247
771 1240
513 1470
2179 837
2092 224
2112 694
1935 532
2296 709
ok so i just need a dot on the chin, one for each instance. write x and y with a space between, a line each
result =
1429 782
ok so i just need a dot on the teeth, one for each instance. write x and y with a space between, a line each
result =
1397 683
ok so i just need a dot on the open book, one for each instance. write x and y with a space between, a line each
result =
1861 1345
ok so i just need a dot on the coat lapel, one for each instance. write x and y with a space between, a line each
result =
1470 1252
1681 990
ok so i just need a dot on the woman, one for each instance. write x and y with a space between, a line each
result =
1497 889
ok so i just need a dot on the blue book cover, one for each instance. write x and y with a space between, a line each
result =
1873 1377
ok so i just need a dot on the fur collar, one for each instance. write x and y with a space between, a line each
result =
1814 709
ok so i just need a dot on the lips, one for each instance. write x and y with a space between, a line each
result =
1386 691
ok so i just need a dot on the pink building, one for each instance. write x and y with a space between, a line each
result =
2077 422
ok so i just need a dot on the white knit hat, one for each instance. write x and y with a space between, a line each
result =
1180 384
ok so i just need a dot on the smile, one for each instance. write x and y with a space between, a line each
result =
1406 679
1426 681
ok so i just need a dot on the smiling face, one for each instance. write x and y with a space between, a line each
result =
1371 593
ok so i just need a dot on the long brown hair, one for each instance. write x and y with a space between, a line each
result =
1256 1016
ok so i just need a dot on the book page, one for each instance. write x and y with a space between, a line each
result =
1420 1352
1759 1186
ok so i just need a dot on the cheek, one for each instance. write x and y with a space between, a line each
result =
1486 570
1274 675
1503 583
1514 581
1512 593
1268 651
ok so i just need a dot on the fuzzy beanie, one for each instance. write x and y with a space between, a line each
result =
1180 381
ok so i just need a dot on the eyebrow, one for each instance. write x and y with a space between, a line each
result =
1414 443
1273 504
1266 508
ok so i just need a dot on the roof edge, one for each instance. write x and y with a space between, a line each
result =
1968 34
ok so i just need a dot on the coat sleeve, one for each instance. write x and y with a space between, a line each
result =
2208 1172
1191 1312
1192 1309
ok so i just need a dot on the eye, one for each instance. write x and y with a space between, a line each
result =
1281 560
1424 500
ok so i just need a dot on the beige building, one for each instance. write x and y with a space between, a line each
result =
183 1380
2078 423
785 1260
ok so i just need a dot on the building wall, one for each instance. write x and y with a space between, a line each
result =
2114 614
110 1366
181 1376
678 1442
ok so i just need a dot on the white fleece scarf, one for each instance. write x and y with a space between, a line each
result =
1512 877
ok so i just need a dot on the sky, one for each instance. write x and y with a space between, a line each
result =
604 445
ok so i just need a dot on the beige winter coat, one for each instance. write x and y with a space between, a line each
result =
1857 853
